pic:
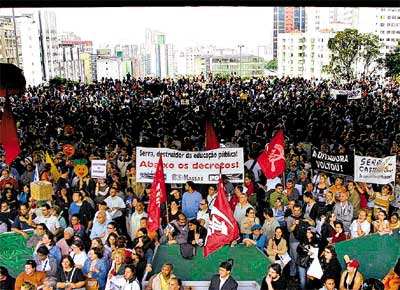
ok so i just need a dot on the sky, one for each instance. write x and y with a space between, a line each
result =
225 27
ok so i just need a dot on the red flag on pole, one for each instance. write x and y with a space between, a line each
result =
211 138
157 197
272 160
223 227
9 136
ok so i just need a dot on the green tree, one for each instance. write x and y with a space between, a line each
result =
272 64
392 62
370 51
348 48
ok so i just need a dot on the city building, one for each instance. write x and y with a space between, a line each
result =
27 29
48 39
70 65
109 67
245 65
8 42
286 20
384 22
303 54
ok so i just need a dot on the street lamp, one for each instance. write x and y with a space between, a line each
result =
240 59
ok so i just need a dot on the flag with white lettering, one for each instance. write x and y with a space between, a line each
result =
157 197
222 228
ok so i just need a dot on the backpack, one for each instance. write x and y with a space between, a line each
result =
188 251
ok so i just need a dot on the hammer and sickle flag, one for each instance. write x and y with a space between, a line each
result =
272 160
222 228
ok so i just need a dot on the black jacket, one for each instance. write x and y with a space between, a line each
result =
230 283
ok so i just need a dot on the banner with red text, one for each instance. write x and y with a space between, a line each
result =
201 167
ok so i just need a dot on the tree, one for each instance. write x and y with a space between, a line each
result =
272 64
392 62
349 48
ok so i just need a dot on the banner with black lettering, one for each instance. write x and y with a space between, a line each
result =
181 166
374 170
333 163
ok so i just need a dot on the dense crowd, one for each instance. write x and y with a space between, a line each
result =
93 233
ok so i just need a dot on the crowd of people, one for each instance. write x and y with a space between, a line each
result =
93 234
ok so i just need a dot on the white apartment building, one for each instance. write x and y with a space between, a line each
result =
49 43
384 22
27 27
303 54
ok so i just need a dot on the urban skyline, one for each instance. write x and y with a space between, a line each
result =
296 37
184 26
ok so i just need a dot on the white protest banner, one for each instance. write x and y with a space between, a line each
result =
201 167
98 169
350 94
374 170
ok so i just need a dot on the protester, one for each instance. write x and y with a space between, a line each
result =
98 121
351 278
6 280
30 275
224 280
274 280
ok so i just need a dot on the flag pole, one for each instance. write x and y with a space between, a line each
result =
166 208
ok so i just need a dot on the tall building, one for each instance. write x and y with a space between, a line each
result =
8 42
27 37
384 22
287 19
157 57
70 65
48 44
27 28
303 54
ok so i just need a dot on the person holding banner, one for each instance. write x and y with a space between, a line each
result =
383 199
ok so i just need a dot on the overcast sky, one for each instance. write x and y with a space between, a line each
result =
183 26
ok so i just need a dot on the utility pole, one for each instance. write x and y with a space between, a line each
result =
240 59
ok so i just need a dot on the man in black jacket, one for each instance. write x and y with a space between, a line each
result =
224 277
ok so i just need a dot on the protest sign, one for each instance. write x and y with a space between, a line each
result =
345 94
333 163
98 169
374 170
181 166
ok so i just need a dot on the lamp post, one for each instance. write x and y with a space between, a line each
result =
240 59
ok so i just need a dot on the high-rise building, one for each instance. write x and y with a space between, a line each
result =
8 42
26 35
48 44
70 64
384 22
155 56
287 19
303 54
27 27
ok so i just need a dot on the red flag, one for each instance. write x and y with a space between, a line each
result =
272 160
223 227
157 197
9 136
211 138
